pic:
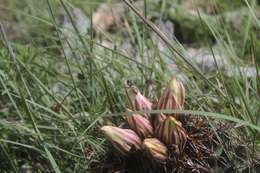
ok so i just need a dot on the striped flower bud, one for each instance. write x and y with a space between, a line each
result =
137 100
140 125
172 133
155 149
173 96
122 139
158 119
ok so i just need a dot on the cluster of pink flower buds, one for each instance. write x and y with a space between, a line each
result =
154 134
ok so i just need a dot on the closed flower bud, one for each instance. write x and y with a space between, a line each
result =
140 125
155 149
172 133
158 119
137 101
122 139
173 96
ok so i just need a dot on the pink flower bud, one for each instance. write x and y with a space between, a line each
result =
171 133
155 149
140 125
122 139
158 119
137 101
173 96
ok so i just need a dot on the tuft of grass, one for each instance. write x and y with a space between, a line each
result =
52 106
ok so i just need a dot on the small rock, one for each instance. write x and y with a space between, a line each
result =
108 15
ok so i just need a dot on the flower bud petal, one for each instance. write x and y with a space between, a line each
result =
158 119
171 133
155 149
137 100
140 125
122 139
173 96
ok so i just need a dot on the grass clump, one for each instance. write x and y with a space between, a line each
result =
55 95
